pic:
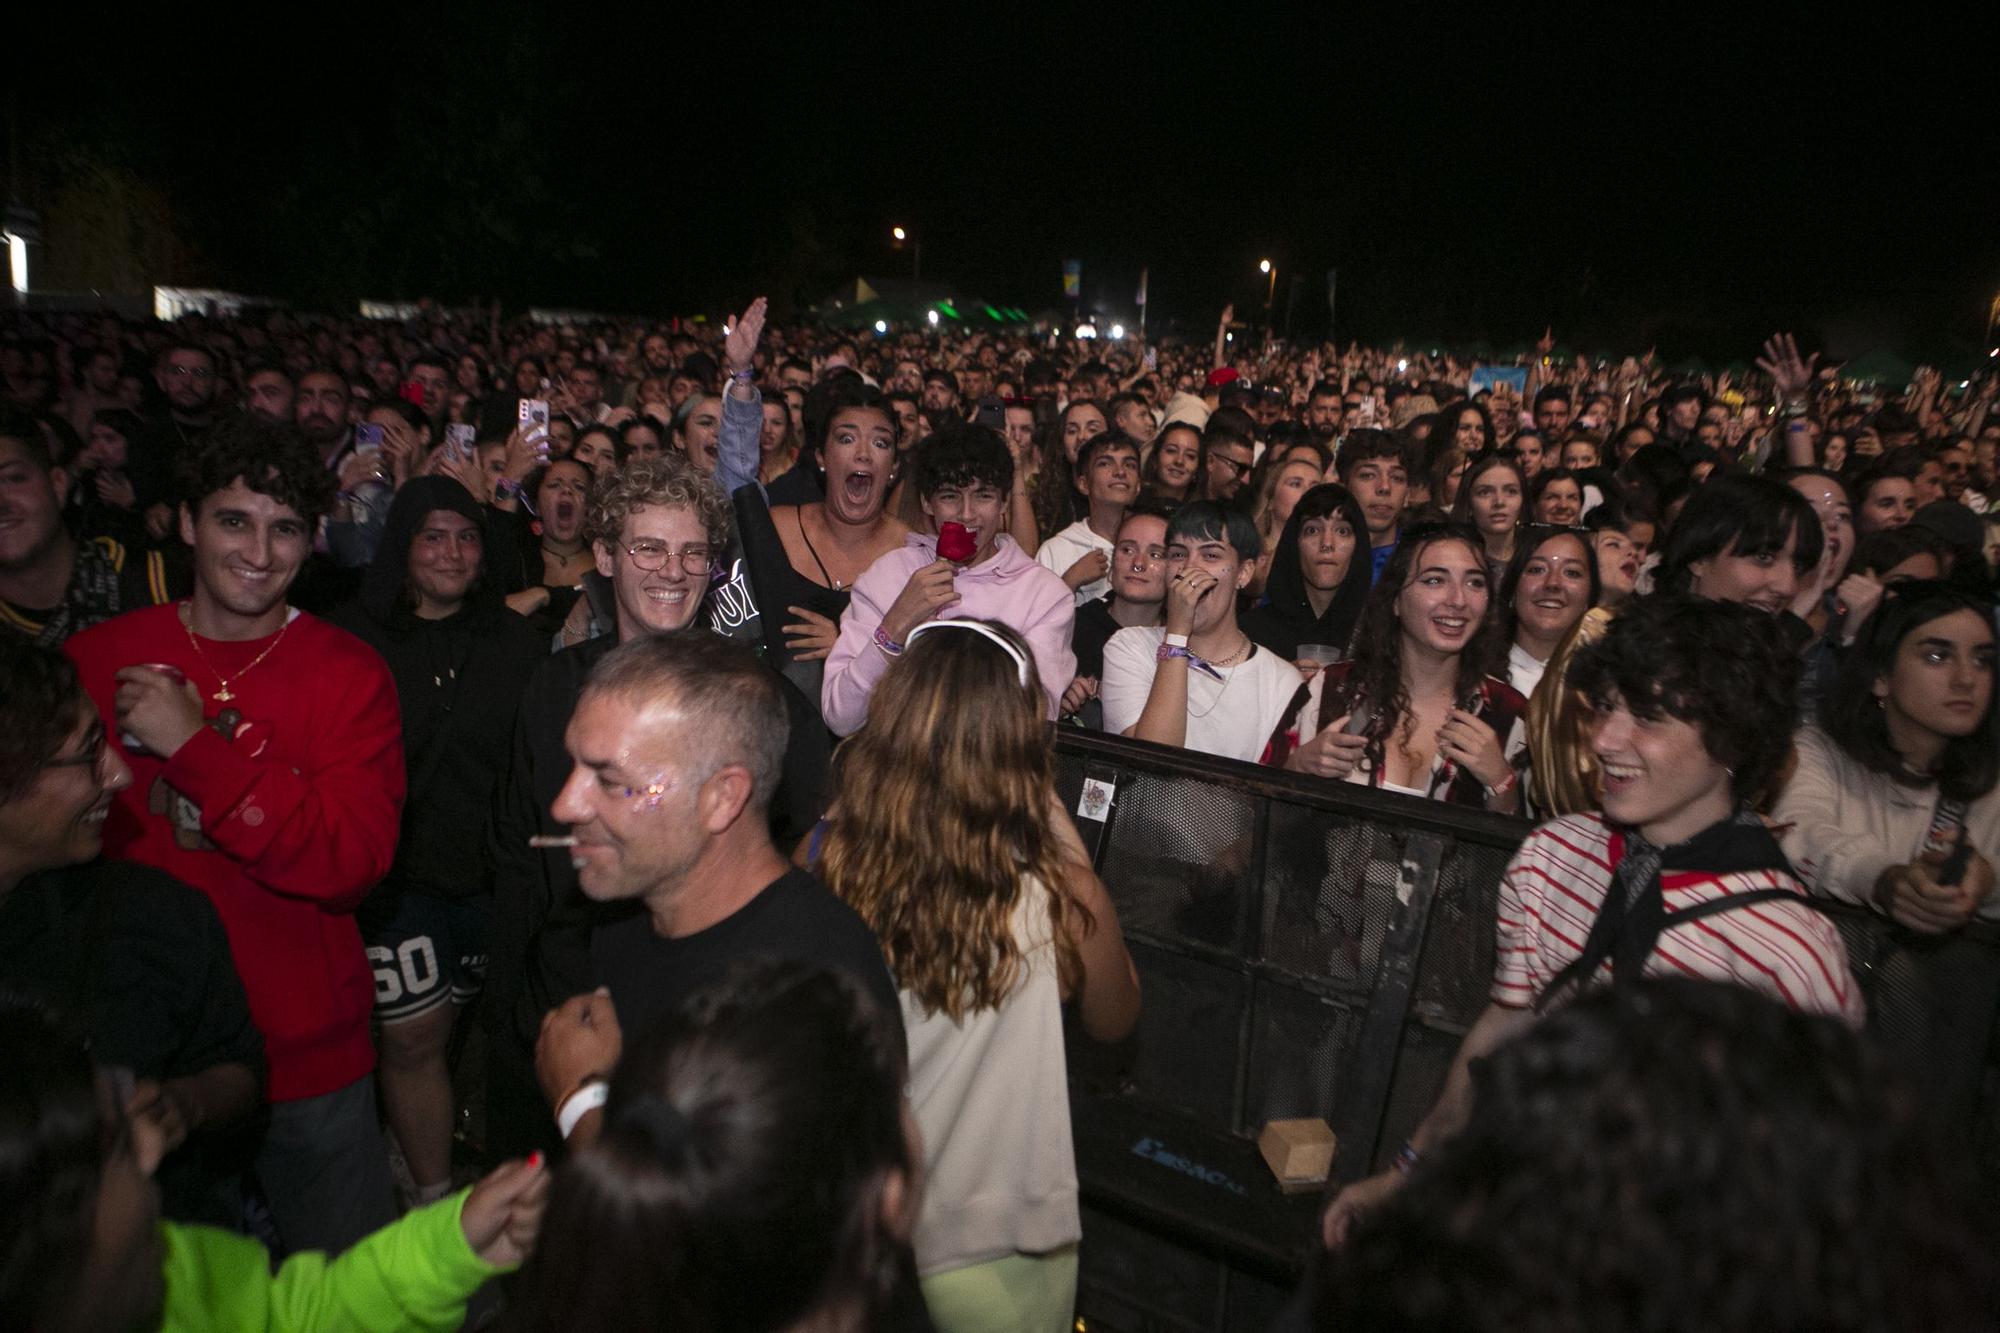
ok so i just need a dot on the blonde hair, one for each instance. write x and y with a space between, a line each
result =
667 482
944 815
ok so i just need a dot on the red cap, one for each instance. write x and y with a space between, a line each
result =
1221 376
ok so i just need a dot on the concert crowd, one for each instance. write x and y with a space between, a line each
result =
554 825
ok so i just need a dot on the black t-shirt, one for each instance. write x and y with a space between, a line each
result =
1087 637
137 963
134 959
795 918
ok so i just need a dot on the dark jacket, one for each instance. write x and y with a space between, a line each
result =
459 683
1284 619
542 920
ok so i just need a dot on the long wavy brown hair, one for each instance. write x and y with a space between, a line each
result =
944 815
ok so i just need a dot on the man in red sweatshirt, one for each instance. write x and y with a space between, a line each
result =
267 766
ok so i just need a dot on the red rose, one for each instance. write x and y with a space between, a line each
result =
955 543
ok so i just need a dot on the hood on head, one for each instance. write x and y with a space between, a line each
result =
384 586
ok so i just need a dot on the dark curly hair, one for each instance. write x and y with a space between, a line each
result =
963 455
1853 717
270 458
1724 668
1377 673
40 707
1678 1156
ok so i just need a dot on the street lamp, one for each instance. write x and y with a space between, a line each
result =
916 251
1271 291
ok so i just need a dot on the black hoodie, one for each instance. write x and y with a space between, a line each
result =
1285 619
459 683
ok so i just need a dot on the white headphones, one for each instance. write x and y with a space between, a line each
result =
977 627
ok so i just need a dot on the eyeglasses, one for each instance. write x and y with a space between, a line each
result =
190 373
651 556
1241 470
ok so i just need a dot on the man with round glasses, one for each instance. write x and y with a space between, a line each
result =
660 526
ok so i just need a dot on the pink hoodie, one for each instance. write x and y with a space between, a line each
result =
1008 587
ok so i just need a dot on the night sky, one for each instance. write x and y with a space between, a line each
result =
1690 183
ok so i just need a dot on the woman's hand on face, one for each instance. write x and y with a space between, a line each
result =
1184 594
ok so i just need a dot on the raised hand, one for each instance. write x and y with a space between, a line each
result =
739 349
1782 363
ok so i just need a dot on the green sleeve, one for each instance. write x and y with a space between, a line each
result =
415 1274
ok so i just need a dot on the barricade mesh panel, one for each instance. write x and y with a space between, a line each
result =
1934 1003
1190 1049
1456 969
1180 861
1329 893
1257 924
1299 1045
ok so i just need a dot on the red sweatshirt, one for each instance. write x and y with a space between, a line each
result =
285 826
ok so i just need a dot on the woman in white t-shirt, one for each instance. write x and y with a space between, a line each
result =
1420 708
1198 681
948 839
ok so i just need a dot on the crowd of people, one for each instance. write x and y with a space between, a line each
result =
677 698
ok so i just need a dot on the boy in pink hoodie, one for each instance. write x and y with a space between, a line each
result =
964 475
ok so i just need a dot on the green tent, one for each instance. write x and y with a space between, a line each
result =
1879 366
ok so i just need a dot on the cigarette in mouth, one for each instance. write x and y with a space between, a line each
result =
550 840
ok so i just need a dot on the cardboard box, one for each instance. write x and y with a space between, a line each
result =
1299 1153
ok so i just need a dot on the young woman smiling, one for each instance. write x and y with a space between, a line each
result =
1419 708
1175 465
1550 583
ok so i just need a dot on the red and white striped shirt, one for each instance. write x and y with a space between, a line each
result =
1557 881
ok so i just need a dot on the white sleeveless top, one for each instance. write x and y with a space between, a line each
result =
991 1096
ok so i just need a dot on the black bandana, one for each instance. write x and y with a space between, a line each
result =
1634 913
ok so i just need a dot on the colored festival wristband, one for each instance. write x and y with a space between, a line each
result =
888 645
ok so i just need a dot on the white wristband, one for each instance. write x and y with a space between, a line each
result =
580 1104
1177 640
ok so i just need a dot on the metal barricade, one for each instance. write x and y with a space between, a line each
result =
1312 948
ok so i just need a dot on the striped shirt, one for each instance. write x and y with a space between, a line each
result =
1556 883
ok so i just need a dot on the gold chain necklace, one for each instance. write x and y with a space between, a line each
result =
223 694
